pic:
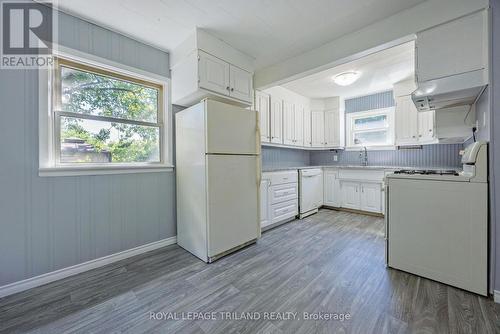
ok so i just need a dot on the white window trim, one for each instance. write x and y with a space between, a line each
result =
389 112
47 161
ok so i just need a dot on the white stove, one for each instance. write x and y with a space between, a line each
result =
437 222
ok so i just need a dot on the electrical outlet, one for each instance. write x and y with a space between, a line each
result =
335 158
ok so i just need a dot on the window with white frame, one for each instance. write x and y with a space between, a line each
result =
101 116
370 128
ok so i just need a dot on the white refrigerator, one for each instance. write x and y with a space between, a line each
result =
218 178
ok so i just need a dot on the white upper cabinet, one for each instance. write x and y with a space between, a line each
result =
295 121
205 66
318 128
288 123
307 128
276 120
241 83
426 126
455 47
413 127
298 125
262 101
213 73
406 121
332 128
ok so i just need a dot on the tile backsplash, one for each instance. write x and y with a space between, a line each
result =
438 155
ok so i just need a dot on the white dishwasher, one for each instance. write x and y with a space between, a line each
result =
310 191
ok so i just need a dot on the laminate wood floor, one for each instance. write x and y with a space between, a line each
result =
332 262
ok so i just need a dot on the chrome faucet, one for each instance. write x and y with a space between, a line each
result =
363 156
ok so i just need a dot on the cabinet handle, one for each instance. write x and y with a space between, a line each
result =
430 130
420 135
413 136
232 89
227 88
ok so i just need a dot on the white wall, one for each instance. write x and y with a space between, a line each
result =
288 95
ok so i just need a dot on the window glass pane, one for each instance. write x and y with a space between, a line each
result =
371 122
89 141
94 94
371 138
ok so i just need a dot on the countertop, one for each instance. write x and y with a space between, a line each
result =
277 169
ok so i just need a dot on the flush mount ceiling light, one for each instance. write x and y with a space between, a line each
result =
346 78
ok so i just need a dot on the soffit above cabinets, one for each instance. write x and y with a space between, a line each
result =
269 31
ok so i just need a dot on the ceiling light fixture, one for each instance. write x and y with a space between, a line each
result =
346 78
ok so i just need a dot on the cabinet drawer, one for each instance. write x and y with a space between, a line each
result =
285 210
284 192
284 177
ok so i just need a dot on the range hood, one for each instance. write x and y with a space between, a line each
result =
452 91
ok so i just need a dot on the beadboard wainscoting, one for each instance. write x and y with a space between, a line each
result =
51 223
370 102
278 157
432 156
439 155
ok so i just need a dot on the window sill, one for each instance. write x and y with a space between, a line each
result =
102 170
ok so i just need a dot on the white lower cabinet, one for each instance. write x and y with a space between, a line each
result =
278 197
265 204
331 189
350 195
283 211
364 196
371 197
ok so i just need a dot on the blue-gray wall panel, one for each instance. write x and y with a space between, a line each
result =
48 223
276 157
428 156
369 102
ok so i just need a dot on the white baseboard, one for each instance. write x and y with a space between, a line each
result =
496 296
33 282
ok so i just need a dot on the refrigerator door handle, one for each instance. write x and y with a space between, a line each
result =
259 171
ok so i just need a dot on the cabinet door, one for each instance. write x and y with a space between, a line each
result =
317 128
276 121
330 189
307 127
350 195
298 125
332 128
262 106
213 73
265 214
288 123
241 84
455 47
371 197
406 121
426 126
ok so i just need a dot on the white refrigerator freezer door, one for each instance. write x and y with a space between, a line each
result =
231 129
232 201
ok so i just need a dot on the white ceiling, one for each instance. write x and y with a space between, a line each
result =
379 72
268 30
